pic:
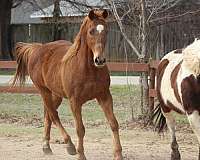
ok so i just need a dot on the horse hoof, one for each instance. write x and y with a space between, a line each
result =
71 148
47 150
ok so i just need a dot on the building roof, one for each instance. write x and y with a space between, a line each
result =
70 9
29 13
21 14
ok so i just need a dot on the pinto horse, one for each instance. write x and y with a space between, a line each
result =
178 89
75 71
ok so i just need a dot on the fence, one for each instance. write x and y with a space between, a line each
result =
150 68
43 33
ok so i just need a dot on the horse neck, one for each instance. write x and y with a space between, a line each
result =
85 58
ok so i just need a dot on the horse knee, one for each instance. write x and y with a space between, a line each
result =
80 131
114 125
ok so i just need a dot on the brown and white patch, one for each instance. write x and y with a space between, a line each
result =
174 81
168 88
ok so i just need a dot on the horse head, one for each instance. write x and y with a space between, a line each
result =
96 36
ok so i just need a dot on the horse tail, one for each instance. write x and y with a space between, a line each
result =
22 53
158 119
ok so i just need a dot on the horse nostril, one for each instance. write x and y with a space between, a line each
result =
96 60
99 61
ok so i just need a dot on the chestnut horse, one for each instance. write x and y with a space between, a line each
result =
178 89
75 71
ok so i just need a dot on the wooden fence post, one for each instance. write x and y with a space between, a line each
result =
152 74
153 65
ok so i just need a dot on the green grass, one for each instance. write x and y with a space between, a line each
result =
124 73
7 72
28 108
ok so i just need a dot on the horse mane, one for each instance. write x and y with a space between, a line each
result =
73 50
191 57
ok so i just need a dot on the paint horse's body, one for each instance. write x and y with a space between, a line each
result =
178 88
75 71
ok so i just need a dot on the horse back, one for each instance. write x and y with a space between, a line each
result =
45 65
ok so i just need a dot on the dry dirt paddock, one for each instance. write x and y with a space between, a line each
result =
18 142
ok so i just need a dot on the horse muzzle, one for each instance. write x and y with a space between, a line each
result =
99 62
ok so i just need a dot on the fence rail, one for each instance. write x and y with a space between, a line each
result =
112 66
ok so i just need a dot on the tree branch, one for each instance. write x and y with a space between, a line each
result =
140 56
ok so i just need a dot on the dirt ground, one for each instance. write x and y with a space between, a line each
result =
24 143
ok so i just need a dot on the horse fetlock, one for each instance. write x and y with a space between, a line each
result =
81 157
71 149
118 156
174 145
175 155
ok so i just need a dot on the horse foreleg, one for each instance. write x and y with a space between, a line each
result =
53 115
80 129
47 125
175 155
194 120
106 103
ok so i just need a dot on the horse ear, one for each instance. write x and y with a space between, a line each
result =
92 15
105 14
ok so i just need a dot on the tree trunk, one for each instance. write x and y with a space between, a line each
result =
5 30
56 23
145 109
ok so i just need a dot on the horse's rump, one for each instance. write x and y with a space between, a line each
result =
55 49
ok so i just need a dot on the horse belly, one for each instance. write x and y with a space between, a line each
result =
166 89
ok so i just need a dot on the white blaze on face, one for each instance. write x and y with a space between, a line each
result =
100 28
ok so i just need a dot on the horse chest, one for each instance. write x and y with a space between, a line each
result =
88 89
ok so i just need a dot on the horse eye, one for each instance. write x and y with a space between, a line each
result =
92 31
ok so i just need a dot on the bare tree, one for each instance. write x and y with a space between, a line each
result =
56 23
5 38
140 14
5 27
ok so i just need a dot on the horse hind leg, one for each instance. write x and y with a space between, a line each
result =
47 128
194 120
53 115
47 125
175 154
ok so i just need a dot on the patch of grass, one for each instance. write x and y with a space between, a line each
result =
7 71
28 108
124 74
